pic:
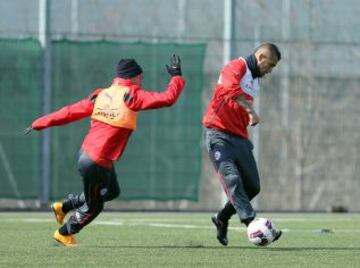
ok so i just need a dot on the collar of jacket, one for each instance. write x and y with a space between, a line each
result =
251 62
117 81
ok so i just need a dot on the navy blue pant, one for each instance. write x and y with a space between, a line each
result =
234 162
100 185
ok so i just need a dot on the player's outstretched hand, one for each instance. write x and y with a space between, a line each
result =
28 130
174 68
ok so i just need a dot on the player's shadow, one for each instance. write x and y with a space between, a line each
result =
165 247
312 248
230 247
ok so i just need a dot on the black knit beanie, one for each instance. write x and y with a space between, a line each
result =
128 68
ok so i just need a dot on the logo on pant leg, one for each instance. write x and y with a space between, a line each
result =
217 155
103 191
77 216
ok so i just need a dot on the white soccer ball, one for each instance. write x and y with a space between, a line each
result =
261 232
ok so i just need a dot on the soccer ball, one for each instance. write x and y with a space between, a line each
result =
261 232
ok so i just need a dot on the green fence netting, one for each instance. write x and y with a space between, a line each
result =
163 158
162 161
20 76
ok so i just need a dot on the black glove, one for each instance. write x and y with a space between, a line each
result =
28 130
174 68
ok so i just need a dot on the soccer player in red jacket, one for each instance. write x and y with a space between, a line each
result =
113 113
229 113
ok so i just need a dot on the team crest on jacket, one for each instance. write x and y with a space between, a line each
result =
103 191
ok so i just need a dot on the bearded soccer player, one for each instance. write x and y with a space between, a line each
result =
113 113
227 118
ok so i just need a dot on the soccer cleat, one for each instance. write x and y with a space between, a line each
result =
59 214
221 228
277 235
66 240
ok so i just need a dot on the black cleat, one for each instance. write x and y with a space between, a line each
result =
221 228
277 235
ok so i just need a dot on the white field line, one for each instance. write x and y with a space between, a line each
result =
147 221
143 221
272 219
169 225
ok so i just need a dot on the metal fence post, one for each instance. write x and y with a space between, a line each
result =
44 38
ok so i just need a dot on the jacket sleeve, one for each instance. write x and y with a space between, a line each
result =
231 76
138 99
67 114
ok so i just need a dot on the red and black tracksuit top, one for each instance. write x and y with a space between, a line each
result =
105 143
224 113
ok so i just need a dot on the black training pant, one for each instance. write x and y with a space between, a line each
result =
100 185
234 162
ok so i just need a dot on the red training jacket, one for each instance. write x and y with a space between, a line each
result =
223 112
105 143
